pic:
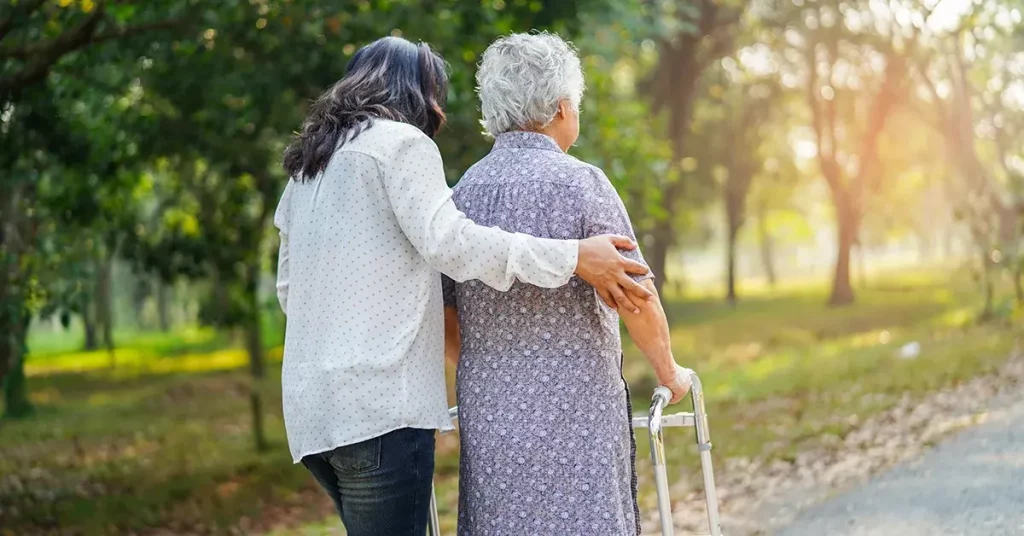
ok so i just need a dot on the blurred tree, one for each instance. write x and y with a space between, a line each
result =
50 195
852 63
971 91
617 132
44 142
741 113
690 35
772 197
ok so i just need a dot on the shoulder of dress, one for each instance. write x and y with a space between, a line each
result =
582 174
473 175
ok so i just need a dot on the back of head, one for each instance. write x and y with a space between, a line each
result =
522 78
390 78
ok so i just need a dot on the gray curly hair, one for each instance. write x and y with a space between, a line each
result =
522 78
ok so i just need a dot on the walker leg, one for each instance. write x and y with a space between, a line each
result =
664 501
704 447
435 524
654 429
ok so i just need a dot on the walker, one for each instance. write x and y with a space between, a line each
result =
654 423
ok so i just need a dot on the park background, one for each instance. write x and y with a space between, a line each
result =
831 193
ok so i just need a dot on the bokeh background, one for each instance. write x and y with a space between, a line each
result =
830 192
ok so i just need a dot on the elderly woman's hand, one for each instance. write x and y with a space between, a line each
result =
601 265
679 383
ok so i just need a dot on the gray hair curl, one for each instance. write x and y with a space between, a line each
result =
523 77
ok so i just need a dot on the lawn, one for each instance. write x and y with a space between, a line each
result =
162 439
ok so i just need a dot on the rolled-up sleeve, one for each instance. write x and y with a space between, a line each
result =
450 242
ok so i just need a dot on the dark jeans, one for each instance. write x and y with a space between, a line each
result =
381 487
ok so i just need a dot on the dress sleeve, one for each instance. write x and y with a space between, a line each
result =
450 242
604 213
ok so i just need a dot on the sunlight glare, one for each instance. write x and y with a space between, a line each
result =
947 14
805 149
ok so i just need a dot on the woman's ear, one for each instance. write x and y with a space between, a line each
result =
563 109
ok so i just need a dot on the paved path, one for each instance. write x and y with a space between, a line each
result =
971 484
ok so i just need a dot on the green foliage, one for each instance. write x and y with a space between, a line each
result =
617 132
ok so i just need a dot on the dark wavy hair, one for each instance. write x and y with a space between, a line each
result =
390 78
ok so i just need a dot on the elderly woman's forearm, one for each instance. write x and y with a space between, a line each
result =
649 331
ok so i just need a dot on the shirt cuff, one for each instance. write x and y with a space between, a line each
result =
543 262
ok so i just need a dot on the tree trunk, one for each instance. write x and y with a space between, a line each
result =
767 247
846 223
988 310
89 326
162 305
862 268
730 280
17 234
658 258
16 402
7 323
140 293
925 246
104 303
10 301
254 346
1017 273
7 353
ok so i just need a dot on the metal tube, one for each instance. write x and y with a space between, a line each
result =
661 397
700 417
435 523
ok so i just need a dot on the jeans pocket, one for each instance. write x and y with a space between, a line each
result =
355 459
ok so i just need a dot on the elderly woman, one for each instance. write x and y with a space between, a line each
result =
547 446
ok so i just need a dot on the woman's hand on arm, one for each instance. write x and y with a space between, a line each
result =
601 265
649 331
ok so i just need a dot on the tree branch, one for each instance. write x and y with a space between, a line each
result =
68 41
41 57
826 157
889 94
26 9
938 125
65 45
937 101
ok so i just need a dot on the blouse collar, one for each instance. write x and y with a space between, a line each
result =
525 140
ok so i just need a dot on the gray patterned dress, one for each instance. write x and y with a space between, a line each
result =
547 447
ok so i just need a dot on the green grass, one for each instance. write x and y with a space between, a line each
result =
163 439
